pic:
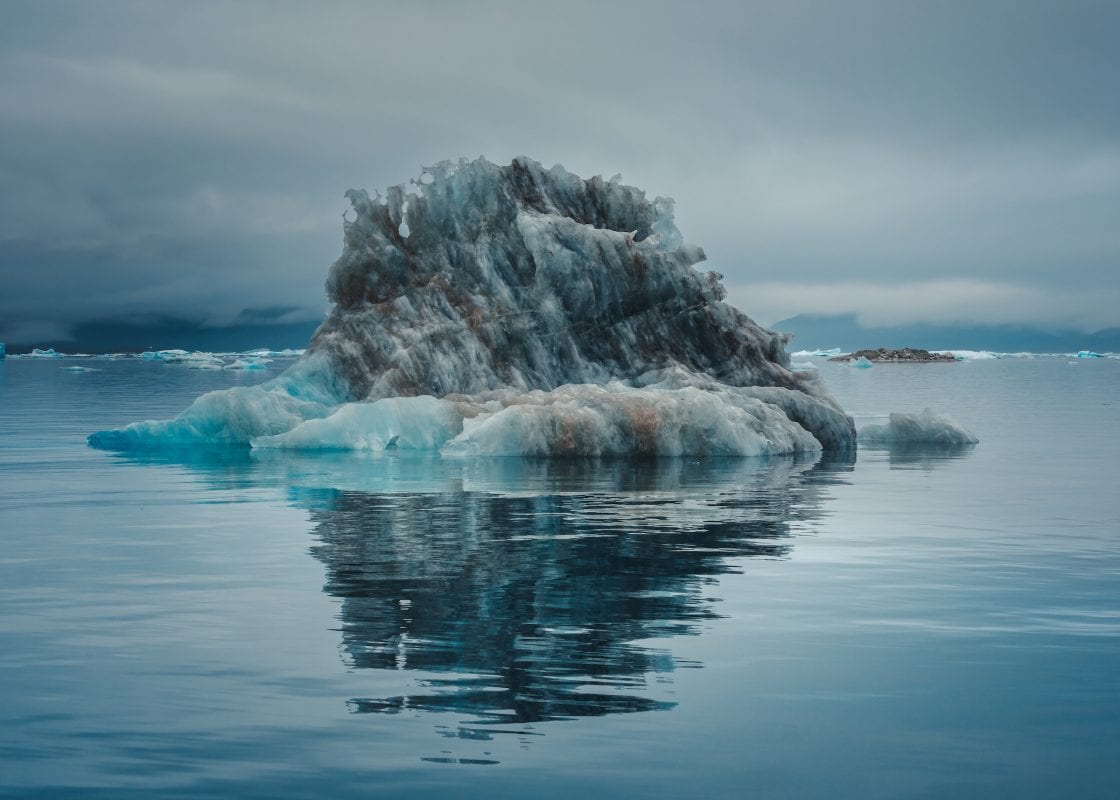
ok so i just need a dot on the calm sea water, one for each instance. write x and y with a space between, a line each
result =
900 624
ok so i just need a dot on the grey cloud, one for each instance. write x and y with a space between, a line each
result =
191 158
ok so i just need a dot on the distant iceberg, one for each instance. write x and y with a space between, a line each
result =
926 428
832 351
517 310
971 355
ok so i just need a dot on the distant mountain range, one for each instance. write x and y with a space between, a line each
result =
166 333
811 331
820 331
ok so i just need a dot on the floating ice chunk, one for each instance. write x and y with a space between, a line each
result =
48 353
236 416
162 355
77 368
860 363
251 362
266 353
926 428
192 360
232 416
802 366
1088 354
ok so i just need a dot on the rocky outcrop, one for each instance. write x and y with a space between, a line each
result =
906 355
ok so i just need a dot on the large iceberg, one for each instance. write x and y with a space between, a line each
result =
518 310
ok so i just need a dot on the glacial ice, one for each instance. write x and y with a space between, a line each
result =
573 420
527 311
406 423
926 428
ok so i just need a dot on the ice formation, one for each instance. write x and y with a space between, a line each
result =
521 310
926 428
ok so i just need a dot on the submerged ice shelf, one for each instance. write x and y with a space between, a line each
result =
518 310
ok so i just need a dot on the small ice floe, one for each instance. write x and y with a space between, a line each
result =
250 362
1088 354
859 363
191 360
50 352
926 428
77 368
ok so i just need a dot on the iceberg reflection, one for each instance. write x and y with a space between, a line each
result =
516 591
539 590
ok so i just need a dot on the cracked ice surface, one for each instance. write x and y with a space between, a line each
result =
521 310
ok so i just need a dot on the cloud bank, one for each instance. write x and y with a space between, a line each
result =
191 159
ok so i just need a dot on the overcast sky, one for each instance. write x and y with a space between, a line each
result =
941 161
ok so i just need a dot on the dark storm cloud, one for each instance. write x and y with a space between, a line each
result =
948 160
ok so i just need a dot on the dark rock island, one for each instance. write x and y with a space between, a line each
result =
907 355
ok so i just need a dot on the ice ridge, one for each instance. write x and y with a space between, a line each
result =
498 303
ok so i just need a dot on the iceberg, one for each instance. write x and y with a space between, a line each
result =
926 428
518 310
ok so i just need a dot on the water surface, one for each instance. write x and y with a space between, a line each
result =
894 624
